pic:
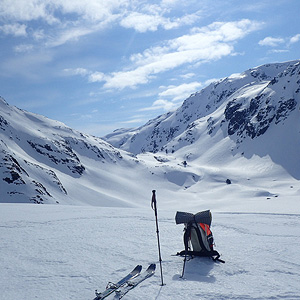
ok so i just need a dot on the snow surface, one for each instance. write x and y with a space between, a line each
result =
66 252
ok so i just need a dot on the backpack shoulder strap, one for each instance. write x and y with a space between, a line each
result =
186 236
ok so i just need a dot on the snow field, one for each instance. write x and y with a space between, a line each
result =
66 252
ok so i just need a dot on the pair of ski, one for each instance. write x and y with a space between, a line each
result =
127 283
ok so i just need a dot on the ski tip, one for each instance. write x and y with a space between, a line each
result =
151 267
138 268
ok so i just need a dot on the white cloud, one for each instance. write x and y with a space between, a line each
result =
69 19
23 48
14 29
295 38
29 10
176 94
188 75
278 51
201 45
160 104
271 41
169 2
71 34
97 77
182 91
38 34
77 71
143 22
275 42
93 10
26 10
73 19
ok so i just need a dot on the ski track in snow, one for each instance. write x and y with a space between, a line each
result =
65 252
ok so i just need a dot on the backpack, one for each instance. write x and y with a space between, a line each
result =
198 238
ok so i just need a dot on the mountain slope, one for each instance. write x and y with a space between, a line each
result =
44 161
252 113
249 102
258 119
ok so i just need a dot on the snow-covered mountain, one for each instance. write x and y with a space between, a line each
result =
245 105
244 126
44 161
239 138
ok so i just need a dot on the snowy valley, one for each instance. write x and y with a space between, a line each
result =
243 129
232 147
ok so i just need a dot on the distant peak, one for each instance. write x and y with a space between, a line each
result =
2 101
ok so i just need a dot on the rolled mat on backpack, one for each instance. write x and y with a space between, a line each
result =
201 217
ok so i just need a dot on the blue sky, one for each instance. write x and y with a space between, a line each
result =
99 65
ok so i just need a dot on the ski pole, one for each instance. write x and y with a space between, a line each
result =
154 207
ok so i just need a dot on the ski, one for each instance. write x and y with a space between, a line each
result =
111 287
130 284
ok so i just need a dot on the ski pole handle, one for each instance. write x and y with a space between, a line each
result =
153 202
